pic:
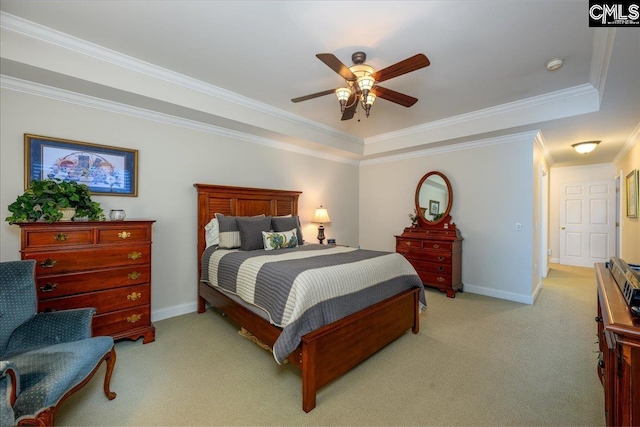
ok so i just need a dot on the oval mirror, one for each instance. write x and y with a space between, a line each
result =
433 198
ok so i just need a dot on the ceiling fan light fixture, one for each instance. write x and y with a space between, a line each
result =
365 83
368 102
585 147
343 94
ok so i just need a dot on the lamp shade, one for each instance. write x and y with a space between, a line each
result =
343 93
585 147
321 216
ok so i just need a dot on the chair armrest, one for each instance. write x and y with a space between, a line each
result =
51 328
9 391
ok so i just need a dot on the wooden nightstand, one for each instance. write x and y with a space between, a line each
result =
101 264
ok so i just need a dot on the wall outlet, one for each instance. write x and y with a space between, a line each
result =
548 251
518 226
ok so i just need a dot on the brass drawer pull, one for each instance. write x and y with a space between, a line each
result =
134 275
48 287
124 235
134 296
60 237
408 243
48 263
134 318
436 246
440 258
440 279
134 255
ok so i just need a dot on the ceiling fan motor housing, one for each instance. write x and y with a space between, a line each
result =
359 58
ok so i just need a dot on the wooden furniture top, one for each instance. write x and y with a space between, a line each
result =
616 315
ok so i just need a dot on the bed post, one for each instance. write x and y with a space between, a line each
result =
308 376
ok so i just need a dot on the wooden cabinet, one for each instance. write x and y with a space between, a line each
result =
436 254
619 362
101 264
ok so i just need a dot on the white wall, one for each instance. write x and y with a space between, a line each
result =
171 160
492 191
630 227
562 175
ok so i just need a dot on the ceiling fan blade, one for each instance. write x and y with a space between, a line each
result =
350 110
313 95
336 65
393 96
403 67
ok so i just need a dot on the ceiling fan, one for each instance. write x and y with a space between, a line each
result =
362 82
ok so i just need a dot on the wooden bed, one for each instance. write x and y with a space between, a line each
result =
324 354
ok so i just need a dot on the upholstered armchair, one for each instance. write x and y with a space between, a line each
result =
44 357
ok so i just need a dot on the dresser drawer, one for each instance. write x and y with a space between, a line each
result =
431 267
57 237
430 256
426 245
434 278
102 301
123 234
122 320
50 263
69 284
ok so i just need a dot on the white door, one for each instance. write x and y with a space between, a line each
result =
587 223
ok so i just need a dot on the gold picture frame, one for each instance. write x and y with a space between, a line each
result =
632 194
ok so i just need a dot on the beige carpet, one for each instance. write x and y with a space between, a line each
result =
476 361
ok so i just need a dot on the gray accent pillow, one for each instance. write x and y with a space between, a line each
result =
251 231
281 223
229 235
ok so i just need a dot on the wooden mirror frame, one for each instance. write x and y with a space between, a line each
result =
446 218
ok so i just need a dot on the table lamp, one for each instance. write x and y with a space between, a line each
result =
321 217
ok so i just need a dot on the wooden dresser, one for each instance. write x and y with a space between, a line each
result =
101 264
436 254
619 361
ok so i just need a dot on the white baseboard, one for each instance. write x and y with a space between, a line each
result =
173 311
509 296
554 260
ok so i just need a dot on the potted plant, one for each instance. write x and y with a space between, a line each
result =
44 199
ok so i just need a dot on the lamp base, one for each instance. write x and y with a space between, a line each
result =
321 234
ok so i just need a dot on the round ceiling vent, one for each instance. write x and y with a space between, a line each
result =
554 64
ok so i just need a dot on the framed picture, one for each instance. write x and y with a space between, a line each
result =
434 207
632 194
105 170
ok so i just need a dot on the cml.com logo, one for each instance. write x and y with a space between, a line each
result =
614 14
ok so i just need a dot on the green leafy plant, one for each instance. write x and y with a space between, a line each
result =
43 198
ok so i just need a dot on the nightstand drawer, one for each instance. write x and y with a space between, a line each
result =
429 256
430 267
102 301
434 278
57 237
426 245
123 234
49 263
48 287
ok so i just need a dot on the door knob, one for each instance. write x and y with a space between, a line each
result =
563 228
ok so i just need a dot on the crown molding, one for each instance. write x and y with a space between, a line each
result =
600 56
542 145
31 29
18 85
633 139
516 137
534 101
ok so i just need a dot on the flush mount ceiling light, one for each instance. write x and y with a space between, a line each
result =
554 64
361 82
585 147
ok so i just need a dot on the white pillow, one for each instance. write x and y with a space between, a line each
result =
212 232
279 240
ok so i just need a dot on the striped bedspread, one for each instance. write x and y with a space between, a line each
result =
305 288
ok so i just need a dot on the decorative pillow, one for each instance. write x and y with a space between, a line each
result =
212 232
281 223
274 240
229 236
251 231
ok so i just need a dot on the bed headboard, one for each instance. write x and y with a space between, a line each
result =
240 201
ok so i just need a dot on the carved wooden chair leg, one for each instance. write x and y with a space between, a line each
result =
111 362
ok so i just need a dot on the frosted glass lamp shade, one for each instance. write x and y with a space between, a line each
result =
321 216
585 147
